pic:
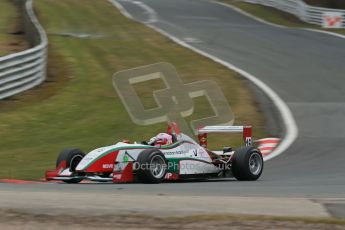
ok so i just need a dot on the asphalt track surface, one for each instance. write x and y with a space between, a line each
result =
306 69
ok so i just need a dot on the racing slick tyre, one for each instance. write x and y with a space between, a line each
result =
72 158
152 166
247 164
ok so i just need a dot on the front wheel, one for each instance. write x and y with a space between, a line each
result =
72 157
152 166
247 164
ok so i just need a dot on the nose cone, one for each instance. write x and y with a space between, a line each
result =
99 160
91 158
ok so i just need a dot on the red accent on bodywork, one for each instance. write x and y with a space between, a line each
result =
98 165
173 128
247 133
124 176
203 139
54 173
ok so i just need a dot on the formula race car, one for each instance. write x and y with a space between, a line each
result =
168 156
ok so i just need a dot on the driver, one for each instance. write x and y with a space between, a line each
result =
161 139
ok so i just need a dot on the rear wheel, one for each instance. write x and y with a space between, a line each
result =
152 166
72 158
247 164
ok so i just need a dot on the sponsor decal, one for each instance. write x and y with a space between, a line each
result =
171 176
125 157
248 141
195 151
108 166
119 167
178 152
332 20
203 153
117 176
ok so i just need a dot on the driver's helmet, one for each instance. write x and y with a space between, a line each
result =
161 139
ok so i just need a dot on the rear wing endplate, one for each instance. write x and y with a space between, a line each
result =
246 130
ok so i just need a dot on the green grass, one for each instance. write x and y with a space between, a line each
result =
243 218
215 221
78 106
275 16
9 23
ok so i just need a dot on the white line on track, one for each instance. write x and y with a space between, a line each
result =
238 10
151 13
291 130
122 10
325 32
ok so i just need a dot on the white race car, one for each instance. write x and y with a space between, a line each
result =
155 161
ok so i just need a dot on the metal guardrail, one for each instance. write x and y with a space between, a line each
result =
26 69
300 9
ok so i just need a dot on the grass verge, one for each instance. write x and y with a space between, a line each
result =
10 218
79 107
11 39
275 16
277 219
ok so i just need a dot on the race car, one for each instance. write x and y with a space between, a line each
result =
167 156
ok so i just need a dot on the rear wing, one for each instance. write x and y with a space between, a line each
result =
246 130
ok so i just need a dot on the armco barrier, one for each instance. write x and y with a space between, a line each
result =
26 69
299 8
